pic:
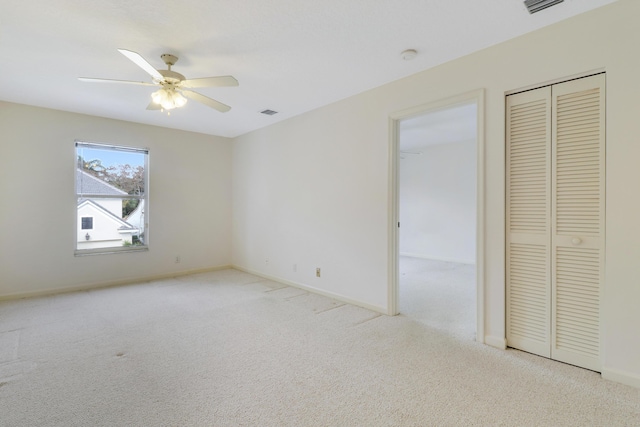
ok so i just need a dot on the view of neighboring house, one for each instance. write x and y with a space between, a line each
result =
100 222
136 217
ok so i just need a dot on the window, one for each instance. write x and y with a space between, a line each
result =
111 198
87 222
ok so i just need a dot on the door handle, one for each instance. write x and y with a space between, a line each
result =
576 241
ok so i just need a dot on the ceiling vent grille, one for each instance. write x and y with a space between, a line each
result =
537 5
269 112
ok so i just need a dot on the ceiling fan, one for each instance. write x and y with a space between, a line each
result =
174 87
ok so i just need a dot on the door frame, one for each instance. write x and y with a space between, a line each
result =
477 97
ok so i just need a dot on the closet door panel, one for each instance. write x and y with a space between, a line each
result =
528 221
578 131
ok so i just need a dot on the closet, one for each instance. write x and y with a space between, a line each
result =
555 206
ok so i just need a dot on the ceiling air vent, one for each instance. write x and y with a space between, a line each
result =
537 5
269 112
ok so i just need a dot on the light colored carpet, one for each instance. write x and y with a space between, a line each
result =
229 349
440 295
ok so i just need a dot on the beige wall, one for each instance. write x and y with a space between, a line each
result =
437 202
314 190
189 201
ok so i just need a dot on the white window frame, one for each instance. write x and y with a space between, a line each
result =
144 198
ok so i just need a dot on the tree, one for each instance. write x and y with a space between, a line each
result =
130 180
94 167
127 178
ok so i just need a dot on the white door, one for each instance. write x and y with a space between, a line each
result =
555 220
529 221
578 220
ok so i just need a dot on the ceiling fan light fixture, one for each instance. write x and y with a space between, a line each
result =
168 99
179 100
158 96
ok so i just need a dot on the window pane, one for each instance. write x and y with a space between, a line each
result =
111 194
87 223
110 228
109 172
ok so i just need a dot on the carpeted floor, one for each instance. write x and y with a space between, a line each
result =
230 349
439 294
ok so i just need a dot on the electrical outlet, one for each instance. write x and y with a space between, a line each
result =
266 261
318 272
295 267
177 259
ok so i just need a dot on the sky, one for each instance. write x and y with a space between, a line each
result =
111 157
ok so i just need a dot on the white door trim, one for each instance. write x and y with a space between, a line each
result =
476 96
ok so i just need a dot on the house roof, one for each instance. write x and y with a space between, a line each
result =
124 225
89 184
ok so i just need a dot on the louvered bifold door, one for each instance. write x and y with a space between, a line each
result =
578 132
528 221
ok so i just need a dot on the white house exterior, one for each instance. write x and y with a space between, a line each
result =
99 221
137 219
106 230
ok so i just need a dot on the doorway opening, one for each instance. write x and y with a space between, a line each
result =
436 254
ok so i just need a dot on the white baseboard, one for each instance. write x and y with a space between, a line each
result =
422 256
622 377
497 342
108 284
382 310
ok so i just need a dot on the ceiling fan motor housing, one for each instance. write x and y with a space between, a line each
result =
169 59
171 76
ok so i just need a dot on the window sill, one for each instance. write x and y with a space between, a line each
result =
109 251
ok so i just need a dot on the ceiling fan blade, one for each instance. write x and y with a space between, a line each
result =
142 63
153 106
128 82
217 105
221 81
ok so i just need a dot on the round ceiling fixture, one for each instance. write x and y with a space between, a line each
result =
409 54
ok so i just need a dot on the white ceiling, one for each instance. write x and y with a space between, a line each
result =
290 56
